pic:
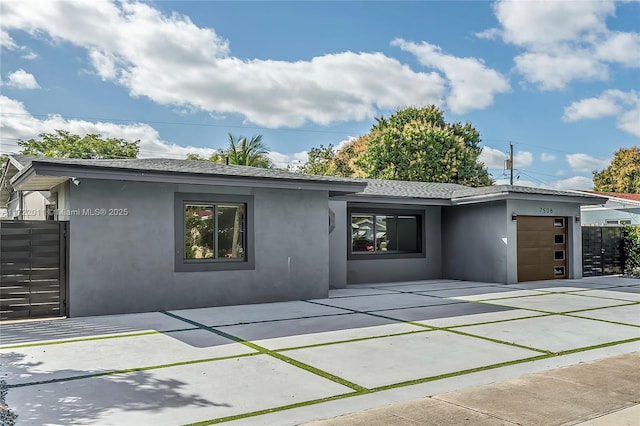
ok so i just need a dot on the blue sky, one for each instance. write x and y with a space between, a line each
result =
559 79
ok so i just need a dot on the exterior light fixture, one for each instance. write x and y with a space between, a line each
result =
514 217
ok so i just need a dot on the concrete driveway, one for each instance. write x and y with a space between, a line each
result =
294 362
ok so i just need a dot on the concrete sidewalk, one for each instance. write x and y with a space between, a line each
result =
598 393
289 363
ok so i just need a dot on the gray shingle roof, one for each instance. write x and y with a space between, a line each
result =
404 189
159 165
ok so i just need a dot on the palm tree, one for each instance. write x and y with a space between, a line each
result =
248 152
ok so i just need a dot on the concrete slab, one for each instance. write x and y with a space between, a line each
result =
557 302
37 363
427 286
555 332
561 289
625 417
288 330
390 360
426 411
629 314
633 289
535 400
441 311
337 336
468 291
611 280
171 396
382 302
243 314
433 284
352 291
74 328
611 294
499 295
480 318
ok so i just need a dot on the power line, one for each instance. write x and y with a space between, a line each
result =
178 123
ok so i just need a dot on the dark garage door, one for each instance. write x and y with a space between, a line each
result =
32 269
542 248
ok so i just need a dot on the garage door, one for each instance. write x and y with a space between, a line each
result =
542 248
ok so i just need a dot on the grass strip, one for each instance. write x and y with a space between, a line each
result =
129 370
273 354
275 409
603 320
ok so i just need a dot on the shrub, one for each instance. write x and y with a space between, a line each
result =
7 417
631 244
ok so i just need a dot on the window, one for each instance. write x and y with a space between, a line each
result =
213 232
390 233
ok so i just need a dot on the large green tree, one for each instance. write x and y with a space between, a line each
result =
622 175
63 144
417 144
414 144
240 151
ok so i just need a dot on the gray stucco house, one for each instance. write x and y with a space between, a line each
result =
155 234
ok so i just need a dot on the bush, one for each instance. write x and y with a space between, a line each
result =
7 417
631 244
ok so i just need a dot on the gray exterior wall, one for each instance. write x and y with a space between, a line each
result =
480 242
378 269
121 264
338 246
599 216
474 243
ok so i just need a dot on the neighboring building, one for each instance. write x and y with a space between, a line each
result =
152 234
618 209
25 205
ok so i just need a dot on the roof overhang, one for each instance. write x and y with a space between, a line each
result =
387 199
44 175
508 195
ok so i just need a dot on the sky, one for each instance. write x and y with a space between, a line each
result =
560 80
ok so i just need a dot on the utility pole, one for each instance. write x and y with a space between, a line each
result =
511 163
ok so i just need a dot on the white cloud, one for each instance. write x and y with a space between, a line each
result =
21 79
547 157
586 163
17 123
172 61
6 42
575 182
473 84
563 41
552 71
624 105
492 158
522 159
495 159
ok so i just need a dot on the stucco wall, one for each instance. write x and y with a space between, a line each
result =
377 269
338 246
599 217
124 264
474 242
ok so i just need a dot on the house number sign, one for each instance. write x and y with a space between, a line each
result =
546 210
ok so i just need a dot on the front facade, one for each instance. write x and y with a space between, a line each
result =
147 235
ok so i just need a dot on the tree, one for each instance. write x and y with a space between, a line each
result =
321 161
414 144
63 144
622 175
417 144
252 152
241 151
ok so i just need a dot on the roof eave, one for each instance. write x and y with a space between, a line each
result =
508 195
29 177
